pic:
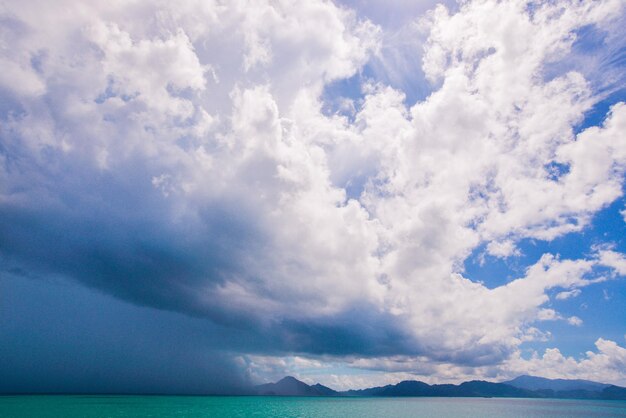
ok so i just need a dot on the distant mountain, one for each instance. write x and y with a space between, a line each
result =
290 386
324 390
481 388
520 387
405 388
568 388
541 383
475 388
614 393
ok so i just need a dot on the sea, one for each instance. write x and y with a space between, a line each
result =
63 406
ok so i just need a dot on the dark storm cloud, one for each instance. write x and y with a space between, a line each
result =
111 232
92 343
357 331
114 232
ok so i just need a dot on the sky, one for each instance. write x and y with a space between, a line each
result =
204 195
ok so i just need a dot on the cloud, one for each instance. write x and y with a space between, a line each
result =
179 158
502 249
606 364
65 338
574 320
568 294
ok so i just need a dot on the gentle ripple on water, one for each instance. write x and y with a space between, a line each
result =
244 406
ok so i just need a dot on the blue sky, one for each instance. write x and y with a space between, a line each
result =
195 198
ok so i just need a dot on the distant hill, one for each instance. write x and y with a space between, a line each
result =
568 388
520 387
290 386
614 393
324 390
475 388
541 383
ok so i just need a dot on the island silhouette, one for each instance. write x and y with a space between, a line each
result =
520 387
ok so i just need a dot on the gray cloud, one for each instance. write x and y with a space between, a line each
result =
179 159
92 343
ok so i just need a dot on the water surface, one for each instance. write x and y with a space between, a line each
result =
246 406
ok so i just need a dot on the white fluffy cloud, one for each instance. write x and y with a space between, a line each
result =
184 156
606 364
568 294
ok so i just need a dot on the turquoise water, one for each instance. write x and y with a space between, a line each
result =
244 406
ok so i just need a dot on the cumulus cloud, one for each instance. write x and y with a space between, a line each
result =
502 249
568 294
606 363
179 158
